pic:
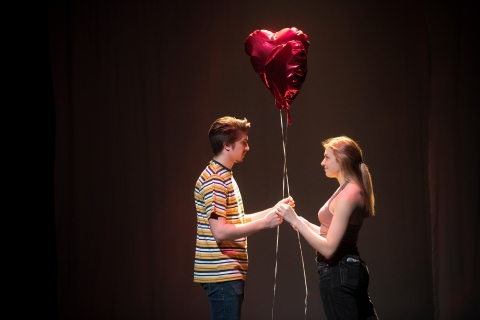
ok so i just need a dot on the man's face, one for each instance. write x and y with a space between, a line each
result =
239 149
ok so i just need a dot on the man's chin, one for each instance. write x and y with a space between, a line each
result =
239 161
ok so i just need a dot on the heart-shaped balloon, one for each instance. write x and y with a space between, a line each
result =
281 60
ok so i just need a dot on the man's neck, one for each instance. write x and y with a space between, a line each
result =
227 163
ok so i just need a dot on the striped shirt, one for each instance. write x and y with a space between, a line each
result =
217 192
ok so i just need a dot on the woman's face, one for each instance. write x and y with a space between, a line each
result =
330 164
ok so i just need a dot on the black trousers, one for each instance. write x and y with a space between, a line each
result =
344 289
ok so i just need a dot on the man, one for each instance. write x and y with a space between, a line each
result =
221 259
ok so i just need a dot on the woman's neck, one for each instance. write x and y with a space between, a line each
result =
341 178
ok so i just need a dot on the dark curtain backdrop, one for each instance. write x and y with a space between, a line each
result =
136 85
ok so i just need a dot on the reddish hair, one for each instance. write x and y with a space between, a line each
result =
350 156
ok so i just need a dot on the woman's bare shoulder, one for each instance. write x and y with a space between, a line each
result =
351 198
351 192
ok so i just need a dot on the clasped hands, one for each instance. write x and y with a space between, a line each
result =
282 210
273 218
285 210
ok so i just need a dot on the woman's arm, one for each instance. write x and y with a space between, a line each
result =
312 226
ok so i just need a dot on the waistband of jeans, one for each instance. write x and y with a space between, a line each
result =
342 253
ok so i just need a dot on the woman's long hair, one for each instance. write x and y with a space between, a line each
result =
350 156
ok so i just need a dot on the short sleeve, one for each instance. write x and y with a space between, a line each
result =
216 198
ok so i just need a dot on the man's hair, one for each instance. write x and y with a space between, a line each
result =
226 130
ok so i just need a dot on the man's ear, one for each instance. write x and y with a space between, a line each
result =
226 146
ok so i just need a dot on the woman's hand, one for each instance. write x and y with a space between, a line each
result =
286 212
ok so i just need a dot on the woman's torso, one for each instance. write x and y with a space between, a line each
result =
348 244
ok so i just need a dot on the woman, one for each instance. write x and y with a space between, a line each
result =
343 275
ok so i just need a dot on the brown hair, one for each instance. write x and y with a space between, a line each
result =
350 156
226 130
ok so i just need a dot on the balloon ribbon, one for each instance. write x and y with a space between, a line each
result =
285 182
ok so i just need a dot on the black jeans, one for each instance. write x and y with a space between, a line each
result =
344 289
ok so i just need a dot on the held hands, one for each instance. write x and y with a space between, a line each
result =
272 219
288 201
286 211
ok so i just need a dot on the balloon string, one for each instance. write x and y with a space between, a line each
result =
285 181
304 275
275 281
278 227
285 171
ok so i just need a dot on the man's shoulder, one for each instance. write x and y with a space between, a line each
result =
214 173
215 169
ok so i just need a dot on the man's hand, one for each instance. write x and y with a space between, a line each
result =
288 201
272 219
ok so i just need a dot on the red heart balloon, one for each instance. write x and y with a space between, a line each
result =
281 60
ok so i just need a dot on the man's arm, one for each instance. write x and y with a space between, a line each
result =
223 231
254 222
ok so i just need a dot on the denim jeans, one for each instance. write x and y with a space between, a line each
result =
225 299
344 289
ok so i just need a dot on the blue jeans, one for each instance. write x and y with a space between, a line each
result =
344 289
225 299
